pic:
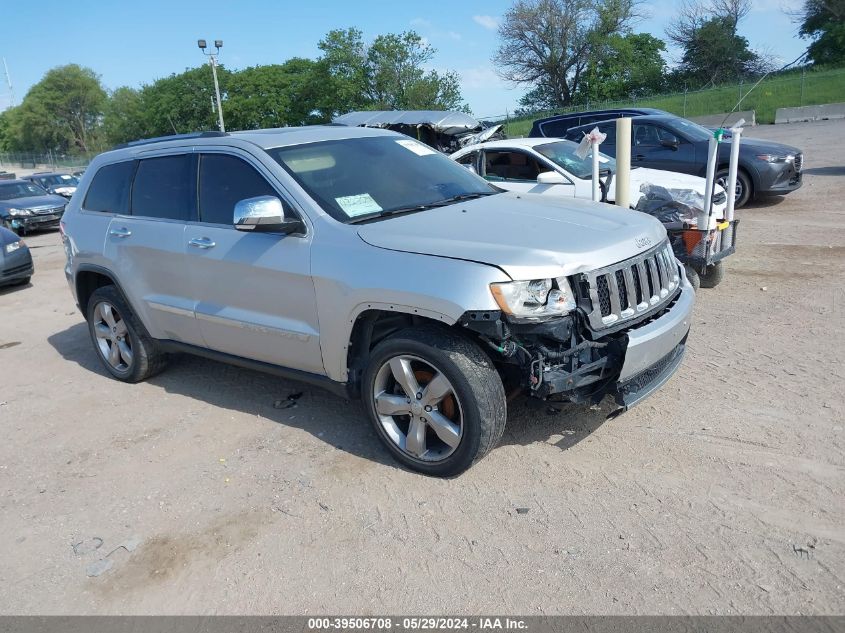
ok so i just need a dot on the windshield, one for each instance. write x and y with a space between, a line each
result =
362 178
693 131
20 190
563 153
58 180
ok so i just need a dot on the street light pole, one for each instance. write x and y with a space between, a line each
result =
212 60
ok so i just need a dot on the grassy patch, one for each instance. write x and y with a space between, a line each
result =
782 91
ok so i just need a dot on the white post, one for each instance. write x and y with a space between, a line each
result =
712 151
736 137
596 188
213 62
623 162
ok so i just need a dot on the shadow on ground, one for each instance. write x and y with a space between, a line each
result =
331 419
838 170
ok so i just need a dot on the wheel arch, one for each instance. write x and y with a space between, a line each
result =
90 277
375 322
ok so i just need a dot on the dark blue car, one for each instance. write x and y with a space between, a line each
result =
15 259
24 207
557 126
666 141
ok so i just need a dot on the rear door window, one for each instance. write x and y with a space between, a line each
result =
225 180
109 189
164 188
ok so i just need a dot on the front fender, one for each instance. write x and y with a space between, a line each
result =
353 278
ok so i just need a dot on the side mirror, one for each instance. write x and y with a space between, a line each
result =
673 145
264 214
550 178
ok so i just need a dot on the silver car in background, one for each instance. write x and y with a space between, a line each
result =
366 262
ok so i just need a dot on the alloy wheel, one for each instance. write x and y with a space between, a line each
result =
739 190
112 337
418 408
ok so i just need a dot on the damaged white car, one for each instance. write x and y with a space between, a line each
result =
551 167
445 131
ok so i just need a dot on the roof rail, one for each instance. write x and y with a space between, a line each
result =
172 137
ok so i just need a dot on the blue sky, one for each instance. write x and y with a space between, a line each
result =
131 43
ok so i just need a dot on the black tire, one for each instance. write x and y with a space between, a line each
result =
693 277
714 275
478 389
743 183
147 357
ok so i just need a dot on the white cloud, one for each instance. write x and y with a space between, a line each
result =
487 21
421 23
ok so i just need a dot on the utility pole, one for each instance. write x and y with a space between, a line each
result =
212 60
9 83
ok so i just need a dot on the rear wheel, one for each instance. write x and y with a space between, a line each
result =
714 275
435 400
121 342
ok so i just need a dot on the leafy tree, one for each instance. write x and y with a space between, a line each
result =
341 72
713 50
626 66
823 21
548 44
124 116
62 112
273 96
387 75
183 103
5 118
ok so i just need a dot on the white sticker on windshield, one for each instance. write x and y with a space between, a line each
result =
418 148
360 204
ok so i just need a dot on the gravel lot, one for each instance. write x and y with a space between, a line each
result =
724 493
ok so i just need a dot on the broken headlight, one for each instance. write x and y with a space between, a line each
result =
537 298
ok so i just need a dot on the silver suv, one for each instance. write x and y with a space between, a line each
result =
363 261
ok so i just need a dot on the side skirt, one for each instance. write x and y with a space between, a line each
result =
340 389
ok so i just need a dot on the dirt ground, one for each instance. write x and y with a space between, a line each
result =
723 493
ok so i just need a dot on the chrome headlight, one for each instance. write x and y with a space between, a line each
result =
776 158
11 248
534 299
19 212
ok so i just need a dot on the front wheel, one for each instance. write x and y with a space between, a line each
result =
693 277
743 186
435 399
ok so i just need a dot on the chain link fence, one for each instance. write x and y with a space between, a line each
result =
32 161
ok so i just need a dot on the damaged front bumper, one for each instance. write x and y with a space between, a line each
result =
561 359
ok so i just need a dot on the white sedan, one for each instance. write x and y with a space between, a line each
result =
550 167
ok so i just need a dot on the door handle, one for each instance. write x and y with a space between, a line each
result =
202 242
639 157
121 232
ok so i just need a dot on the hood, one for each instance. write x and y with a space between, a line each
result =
669 180
34 202
528 236
756 146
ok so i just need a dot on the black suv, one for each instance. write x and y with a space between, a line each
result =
674 144
557 126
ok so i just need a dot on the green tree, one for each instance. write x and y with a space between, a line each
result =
124 116
625 66
548 44
5 118
823 21
341 72
713 50
389 74
61 113
397 79
273 96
